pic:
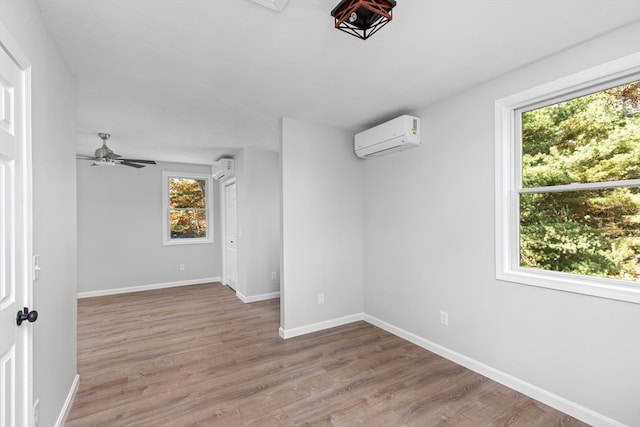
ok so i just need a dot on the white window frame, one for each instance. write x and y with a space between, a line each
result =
166 235
508 184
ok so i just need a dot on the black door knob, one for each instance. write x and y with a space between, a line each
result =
30 316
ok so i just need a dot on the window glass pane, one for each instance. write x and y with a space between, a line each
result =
187 193
594 232
187 223
592 138
187 208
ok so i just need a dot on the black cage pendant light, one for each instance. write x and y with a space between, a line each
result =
362 18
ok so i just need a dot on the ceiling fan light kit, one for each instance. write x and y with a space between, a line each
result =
362 18
104 156
103 162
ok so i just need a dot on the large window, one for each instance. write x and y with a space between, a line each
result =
568 183
187 211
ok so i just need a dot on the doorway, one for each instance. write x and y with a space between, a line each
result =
16 338
230 227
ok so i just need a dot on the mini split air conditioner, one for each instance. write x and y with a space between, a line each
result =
223 168
399 134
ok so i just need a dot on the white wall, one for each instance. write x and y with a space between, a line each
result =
120 231
322 214
428 236
258 192
429 246
54 207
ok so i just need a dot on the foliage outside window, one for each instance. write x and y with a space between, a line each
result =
568 184
187 211
590 139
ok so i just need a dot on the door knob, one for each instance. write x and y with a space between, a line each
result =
30 316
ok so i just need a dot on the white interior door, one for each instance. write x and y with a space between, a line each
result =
231 235
15 288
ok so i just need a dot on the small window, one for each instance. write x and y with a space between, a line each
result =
568 184
187 211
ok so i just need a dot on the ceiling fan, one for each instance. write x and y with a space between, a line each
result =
104 156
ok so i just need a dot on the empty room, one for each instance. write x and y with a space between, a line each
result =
320 213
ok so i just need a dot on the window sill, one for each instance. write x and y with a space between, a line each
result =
618 290
179 242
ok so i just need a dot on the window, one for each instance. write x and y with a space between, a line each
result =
568 183
187 213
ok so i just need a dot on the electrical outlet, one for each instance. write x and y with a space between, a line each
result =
181 267
444 318
36 413
320 298
273 275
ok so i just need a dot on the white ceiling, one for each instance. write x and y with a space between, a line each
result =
192 80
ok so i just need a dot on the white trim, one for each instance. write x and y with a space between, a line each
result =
581 186
593 76
507 187
104 292
62 417
558 402
166 239
256 298
13 49
320 326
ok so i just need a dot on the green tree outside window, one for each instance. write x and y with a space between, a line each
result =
187 208
589 139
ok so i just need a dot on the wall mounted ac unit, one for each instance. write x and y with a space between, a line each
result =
223 168
401 133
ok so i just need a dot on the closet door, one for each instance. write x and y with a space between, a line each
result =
231 238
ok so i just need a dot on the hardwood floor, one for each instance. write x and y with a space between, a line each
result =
198 356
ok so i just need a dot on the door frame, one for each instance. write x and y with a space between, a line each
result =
24 245
223 223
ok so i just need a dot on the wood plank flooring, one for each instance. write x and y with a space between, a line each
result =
198 356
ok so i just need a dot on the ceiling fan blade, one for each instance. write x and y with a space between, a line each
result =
149 162
133 165
104 156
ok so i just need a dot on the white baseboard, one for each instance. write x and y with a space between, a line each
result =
577 411
307 329
256 298
68 401
115 291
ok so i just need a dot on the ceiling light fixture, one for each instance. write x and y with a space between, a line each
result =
362 18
